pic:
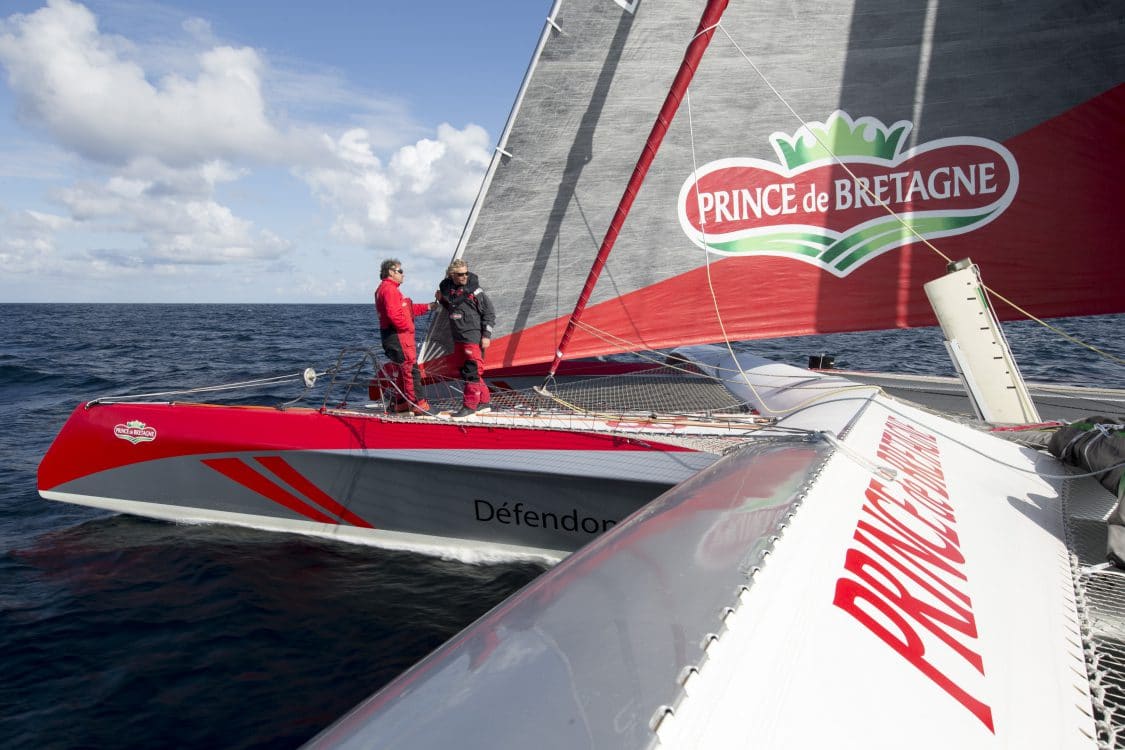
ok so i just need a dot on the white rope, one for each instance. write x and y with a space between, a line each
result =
882 471
204 389
715 297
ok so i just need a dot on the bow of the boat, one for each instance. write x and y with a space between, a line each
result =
420 483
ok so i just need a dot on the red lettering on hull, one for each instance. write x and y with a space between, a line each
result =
903 576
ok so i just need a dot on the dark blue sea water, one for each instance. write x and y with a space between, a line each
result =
122 632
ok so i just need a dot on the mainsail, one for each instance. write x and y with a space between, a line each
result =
754 223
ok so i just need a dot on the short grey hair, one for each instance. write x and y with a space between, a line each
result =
458 263
387 265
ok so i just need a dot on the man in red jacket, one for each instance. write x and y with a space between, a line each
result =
396 327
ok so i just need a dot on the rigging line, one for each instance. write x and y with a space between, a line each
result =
707 255
883 471
891 212
715 298
892 473
828 149
638 350
692 55
707 265
205 388
706 30
1059 331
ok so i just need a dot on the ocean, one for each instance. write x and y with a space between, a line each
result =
128 633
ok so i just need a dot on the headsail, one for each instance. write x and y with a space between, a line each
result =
988 127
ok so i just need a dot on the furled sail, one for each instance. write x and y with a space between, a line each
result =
990 129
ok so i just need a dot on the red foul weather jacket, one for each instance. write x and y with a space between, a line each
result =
396 312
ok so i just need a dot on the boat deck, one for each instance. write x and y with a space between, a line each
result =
947 395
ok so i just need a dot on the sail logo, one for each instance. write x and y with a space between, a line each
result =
135 432
846 191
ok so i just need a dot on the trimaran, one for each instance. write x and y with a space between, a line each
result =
828 562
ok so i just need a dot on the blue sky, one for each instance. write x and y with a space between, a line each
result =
219 151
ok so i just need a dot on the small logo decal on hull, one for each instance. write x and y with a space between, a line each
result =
135 431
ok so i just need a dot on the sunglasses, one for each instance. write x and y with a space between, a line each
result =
460 273
397 270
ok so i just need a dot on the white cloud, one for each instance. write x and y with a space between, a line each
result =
176 219
27 242
415 164
415 204
93 99
156 132
199 28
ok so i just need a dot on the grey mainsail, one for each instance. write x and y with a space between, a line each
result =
1022 78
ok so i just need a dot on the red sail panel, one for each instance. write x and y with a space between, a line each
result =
1055 251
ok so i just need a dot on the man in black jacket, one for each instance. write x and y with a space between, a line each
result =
471 317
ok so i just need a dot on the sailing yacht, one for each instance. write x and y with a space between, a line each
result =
744 221
764 554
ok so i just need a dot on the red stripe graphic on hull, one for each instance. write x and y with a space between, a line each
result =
236 470
286 473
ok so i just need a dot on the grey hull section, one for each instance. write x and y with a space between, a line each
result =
658 585
548 501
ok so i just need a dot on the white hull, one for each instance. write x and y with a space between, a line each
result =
941 598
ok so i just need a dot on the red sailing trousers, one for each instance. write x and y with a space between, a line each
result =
470 360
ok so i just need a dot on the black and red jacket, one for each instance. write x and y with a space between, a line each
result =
470 312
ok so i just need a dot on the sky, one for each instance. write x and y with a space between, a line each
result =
248 151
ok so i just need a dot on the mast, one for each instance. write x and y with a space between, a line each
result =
699 43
